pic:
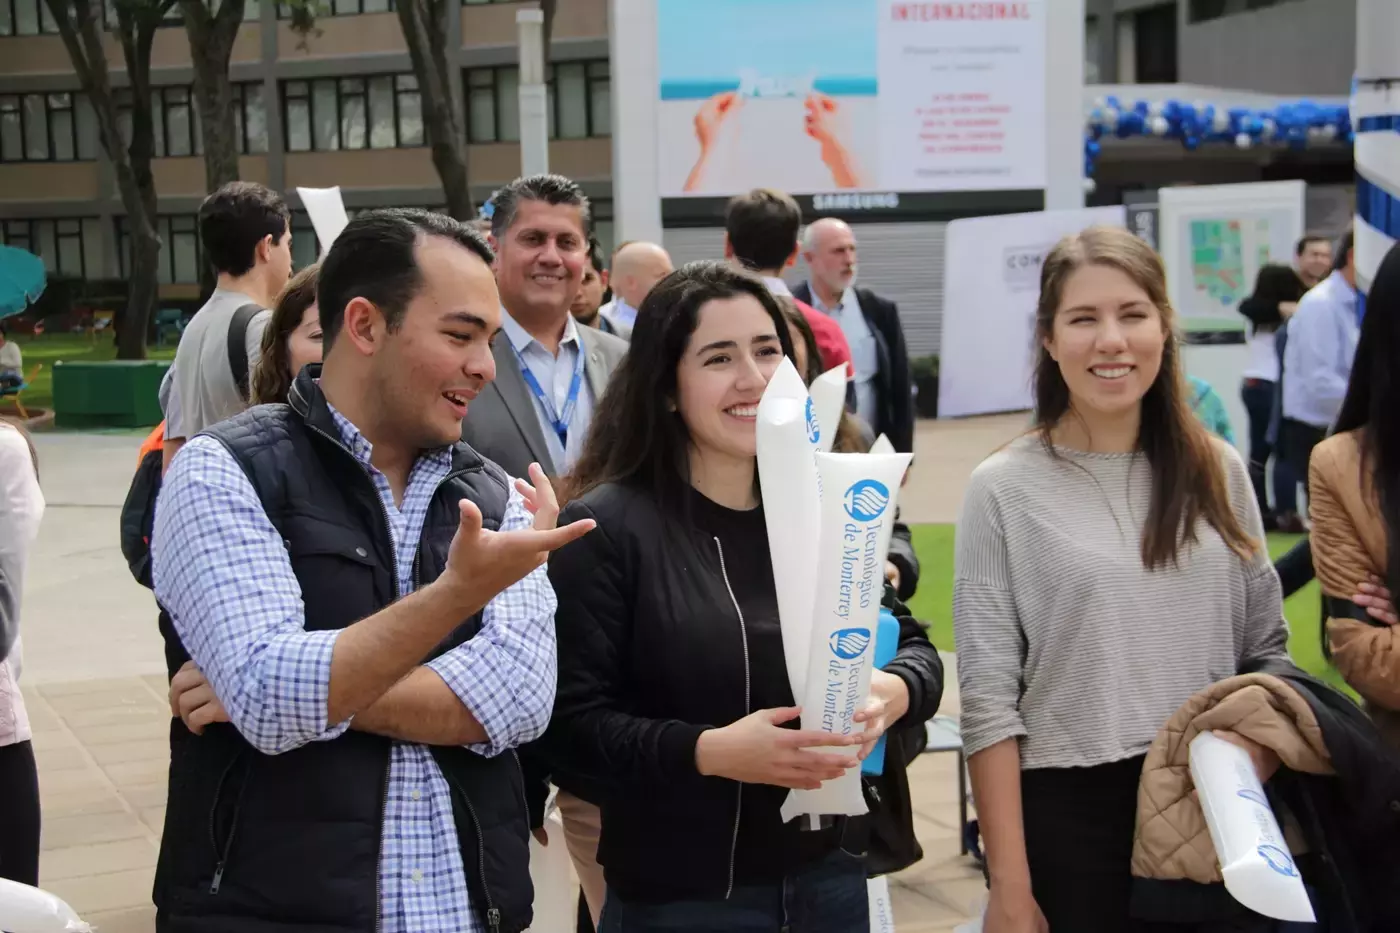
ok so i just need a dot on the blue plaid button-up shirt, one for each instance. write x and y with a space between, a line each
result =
222 571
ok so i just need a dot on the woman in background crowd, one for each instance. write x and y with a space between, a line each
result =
1355 510
291 340
1109 565
853 436
1277 291
673 688
21 508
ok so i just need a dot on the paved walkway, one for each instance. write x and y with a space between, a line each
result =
94 681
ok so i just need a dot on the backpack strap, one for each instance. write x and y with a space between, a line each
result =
238 346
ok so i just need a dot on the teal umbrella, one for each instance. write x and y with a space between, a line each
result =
22 280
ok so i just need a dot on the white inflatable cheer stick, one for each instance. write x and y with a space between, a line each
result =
828 400
29 910
857 518
1259 871
787 475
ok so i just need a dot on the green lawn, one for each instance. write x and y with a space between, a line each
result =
50 348
934 601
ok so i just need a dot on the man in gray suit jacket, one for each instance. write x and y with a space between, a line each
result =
551 372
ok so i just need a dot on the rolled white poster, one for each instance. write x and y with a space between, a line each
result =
857 518
828 393
24 909
787 476
1254 858
327 210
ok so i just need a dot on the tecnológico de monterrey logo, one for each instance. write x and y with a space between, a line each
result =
867 500
814 430
1279 860
850 643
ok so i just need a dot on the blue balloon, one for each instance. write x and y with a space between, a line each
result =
1093 148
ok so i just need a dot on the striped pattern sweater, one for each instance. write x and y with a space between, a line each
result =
1064 639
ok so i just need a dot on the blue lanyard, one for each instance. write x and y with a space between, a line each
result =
559 422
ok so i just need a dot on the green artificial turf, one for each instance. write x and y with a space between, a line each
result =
50 348
933 603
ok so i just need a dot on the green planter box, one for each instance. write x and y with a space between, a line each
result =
117 394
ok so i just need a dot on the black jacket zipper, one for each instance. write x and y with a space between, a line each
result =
748 701
493 914
223 851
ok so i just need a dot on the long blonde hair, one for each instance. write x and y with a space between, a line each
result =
1188 478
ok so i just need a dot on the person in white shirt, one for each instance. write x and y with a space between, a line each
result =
1277 291
636 268
1317 359
11 361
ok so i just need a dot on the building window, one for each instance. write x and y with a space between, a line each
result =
69 246
579 106
1198 11
179 249
1091 50
306 249
57 127
342 8
377 112
175 119
1154 37
26 18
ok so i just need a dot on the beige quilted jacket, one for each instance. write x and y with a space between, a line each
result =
1172 841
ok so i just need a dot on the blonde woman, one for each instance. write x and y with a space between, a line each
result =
1109 565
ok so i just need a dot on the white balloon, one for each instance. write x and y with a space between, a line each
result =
1327 132
1090 186
1110 119
1155 108
1243 141
29 910
1270 127
1221 122
1159 125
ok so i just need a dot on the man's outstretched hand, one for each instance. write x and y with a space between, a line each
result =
481 563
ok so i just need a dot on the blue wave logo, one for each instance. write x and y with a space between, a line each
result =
850 643
814 430
867 500
1254 796
1279 860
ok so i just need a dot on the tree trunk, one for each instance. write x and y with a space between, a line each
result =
424 24
211 48
82 26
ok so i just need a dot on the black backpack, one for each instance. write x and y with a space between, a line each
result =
138 514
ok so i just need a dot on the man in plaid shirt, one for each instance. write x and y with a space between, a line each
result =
368 621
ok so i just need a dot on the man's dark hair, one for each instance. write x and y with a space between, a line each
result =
1309 239
374 258
234 220
595 255
1344 247
551 189
763 227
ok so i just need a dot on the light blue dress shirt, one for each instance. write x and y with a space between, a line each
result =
1322 337
554 374
223 572
865 352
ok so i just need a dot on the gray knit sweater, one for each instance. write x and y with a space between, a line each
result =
1064 639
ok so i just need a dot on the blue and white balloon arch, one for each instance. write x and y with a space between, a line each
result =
1295 125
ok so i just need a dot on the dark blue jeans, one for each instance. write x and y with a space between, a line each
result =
1258 398
826 897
